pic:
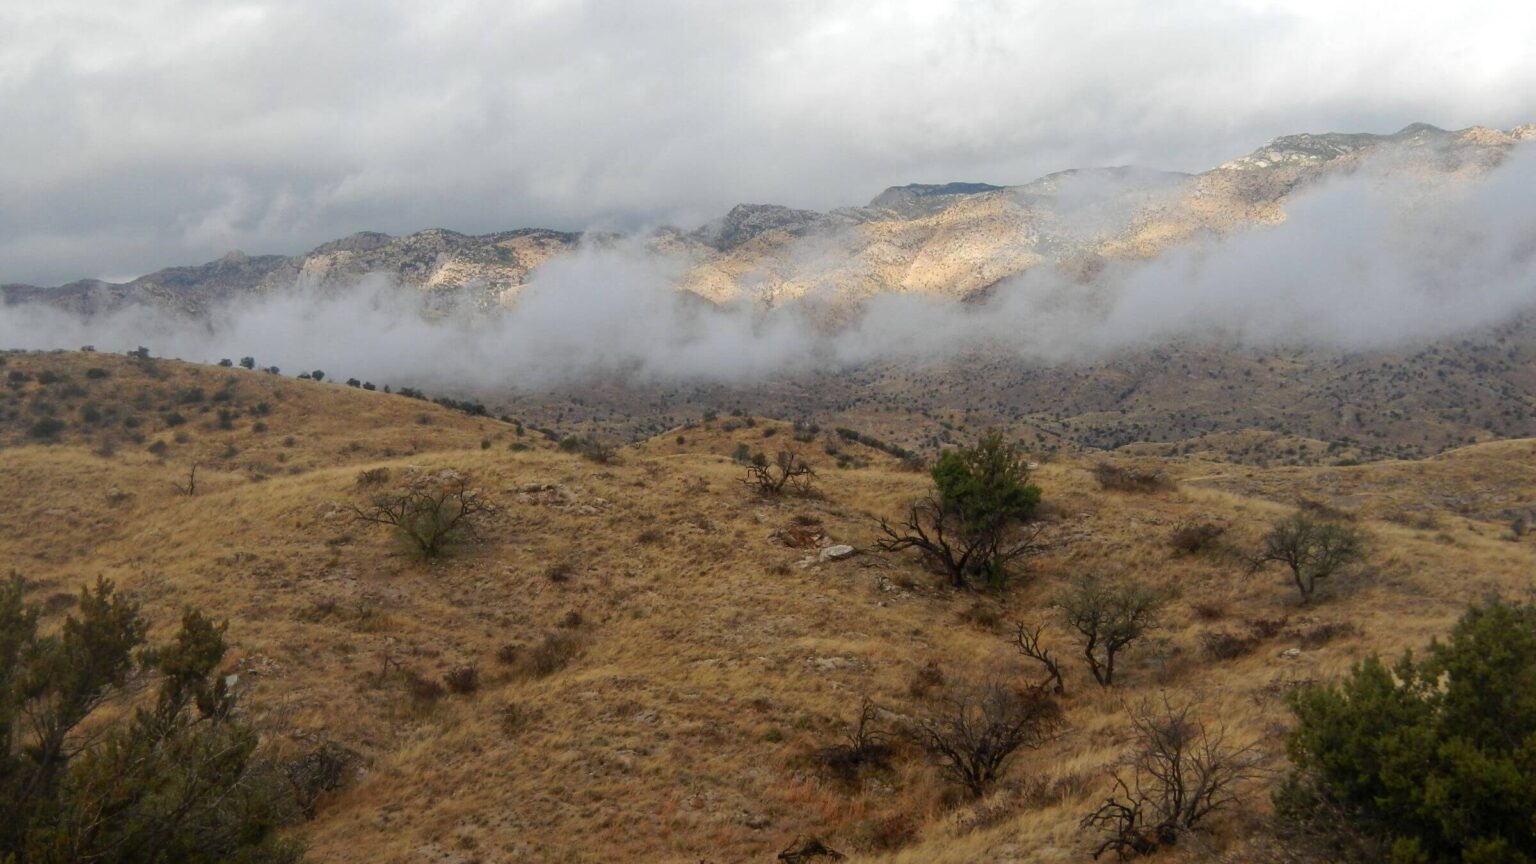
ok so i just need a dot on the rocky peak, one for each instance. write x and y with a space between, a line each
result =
362 241
924 196
746 221
1309 150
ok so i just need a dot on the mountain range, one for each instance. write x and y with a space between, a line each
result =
954 240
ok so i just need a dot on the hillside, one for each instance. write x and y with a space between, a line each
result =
1281 406
690 662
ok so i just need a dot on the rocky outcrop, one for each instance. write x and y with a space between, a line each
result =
747 221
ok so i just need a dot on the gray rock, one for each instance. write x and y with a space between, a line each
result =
838 552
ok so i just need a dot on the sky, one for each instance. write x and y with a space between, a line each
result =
140 134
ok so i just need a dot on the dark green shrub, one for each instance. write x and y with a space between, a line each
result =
175 779
1433 760
47 429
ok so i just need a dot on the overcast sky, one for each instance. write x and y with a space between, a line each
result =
138 134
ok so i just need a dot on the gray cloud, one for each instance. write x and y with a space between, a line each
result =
152 132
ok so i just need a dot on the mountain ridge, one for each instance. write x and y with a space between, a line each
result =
951 239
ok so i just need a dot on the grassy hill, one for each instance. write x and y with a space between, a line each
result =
655 667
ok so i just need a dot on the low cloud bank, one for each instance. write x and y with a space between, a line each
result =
1362 262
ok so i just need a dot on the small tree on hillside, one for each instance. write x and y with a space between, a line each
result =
1312 548
787 472
1109 614
430 513
975 522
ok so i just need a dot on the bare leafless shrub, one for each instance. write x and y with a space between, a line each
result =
372 477
925 680
1321 634
1118 478
973 733
462 680
327 768
591 449
1182 772
886 833
786 472
1192 538
1226 645
1267 628
866 749
430 513
423 690
190 487
550 655
1027 640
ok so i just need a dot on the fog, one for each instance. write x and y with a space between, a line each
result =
145 131
1369 260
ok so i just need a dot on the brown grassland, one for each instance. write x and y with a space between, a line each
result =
708 659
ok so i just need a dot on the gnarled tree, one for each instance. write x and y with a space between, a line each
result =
787 472
1182 772
430 513
976 521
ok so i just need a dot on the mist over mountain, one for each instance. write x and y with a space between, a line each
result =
1346 241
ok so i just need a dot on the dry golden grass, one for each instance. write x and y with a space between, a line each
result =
710 662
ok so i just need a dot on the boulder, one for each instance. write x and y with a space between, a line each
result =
838 552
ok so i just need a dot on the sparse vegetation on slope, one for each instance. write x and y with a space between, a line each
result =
660 660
